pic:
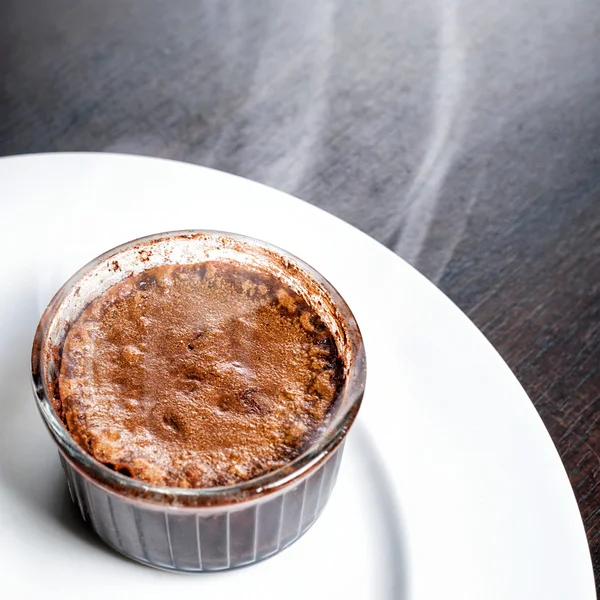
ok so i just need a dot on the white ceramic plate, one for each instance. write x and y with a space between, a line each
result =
450 486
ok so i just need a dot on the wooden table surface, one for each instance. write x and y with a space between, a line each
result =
463 134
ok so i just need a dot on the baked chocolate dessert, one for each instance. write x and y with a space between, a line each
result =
198 375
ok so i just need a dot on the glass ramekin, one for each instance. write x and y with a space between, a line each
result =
205 529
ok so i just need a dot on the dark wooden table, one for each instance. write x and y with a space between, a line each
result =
463 134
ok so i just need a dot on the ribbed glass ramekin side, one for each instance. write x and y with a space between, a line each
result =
203 539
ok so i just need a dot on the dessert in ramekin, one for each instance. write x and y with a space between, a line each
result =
199 386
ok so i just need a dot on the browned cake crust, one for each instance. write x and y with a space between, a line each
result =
198 375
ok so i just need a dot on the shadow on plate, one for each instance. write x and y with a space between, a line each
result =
387 514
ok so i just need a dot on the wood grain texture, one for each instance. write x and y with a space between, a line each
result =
463 134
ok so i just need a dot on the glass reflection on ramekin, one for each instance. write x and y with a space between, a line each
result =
205 529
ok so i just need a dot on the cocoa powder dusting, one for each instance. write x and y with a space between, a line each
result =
198 375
